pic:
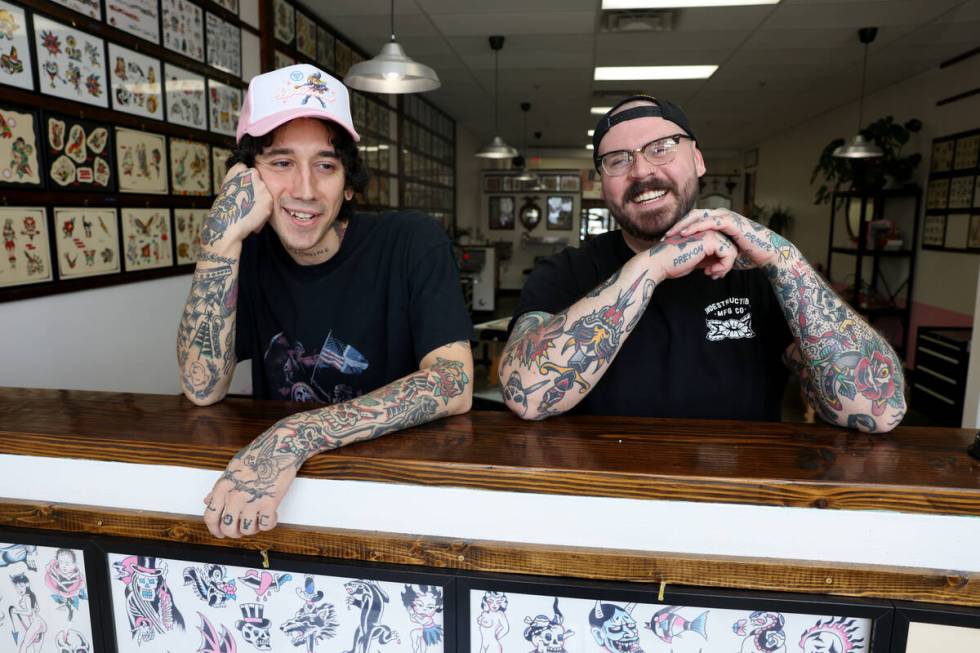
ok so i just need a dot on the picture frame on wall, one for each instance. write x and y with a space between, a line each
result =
186 94
324 48
79 153
224 105
282 59
285 21
502 211
183 28
937 194
141 161
230 5
72 72
141 18
28 257
87 8
342 57
305 35
961 192
570 183
224 45
933 231
136 83
967 152
957 231
942 155
16 64
974 239
190 167
146 239
219 167
87 241
187 233
560 210
20 148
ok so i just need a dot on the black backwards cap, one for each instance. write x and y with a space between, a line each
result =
660 109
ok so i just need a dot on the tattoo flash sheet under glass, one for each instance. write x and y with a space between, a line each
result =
161 605
502 621
26 246
15 48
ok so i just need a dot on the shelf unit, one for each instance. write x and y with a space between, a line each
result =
883 300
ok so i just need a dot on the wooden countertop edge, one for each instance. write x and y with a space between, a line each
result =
867 581
750 491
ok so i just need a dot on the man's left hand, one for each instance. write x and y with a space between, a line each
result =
758 246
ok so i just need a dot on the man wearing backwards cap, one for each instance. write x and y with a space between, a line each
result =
626 325
362 312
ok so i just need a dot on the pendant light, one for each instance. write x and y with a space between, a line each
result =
525 174
392 71
858 147
497 148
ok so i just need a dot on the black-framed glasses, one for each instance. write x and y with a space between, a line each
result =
658 152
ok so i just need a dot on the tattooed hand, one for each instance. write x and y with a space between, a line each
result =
677 256
245 499
757 245
243 207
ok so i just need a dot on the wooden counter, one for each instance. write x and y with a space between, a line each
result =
909 474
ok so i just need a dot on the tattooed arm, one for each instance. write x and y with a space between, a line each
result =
849 372
559 358
245 499
206 335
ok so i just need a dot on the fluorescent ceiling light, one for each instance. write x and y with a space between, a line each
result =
589 147
679 4
599 111
591 133
623 73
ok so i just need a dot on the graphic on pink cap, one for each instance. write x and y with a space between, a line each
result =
300 91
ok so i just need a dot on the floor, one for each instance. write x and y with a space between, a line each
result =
487 392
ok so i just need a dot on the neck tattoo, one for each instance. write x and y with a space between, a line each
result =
340 227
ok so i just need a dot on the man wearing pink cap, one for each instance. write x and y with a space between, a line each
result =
358 311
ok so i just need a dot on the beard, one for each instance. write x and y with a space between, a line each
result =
650 225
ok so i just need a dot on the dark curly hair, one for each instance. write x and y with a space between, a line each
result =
355 172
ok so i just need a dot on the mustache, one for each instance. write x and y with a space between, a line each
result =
643 186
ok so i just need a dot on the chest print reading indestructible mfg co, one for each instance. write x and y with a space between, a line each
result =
729 319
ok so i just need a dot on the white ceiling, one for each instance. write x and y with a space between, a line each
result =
779 64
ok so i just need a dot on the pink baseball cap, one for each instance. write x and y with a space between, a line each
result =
300 91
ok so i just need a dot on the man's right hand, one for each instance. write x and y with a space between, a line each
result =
243 207
677 256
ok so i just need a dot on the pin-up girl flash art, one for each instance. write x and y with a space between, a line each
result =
423 604
493 622
25 617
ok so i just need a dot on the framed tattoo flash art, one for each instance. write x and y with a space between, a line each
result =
502 212
79 154
967 152
89 8
942 155
937 194
20 159
560 208
188 224
141 161
225 102
285 27
934 231
26 248
282 59
137 17
219 158
324 48
186 97
146 239
87 242
71 63
15 48
167 604
190 168
230 5
224 45
961 192
343 57
183 28
136 83
305 35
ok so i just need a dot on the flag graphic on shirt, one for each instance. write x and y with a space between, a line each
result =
340 356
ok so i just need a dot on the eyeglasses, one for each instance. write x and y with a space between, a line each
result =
658 153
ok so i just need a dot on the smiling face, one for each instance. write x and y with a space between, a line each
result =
306 179
649 199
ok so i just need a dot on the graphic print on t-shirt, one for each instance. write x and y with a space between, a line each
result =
299 375
729 319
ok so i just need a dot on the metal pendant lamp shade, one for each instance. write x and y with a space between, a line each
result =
497 148
392 71
858 147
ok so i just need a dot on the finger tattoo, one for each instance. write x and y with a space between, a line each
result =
263 520
211 506
227 519
246 524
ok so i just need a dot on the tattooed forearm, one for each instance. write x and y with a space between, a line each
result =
235 201
210 257
840 357
205 336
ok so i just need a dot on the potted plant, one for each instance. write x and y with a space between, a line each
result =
778 218
867 175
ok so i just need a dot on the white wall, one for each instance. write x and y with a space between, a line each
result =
118 339
786 161
971 403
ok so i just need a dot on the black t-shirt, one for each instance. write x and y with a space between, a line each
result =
703 348
362 319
